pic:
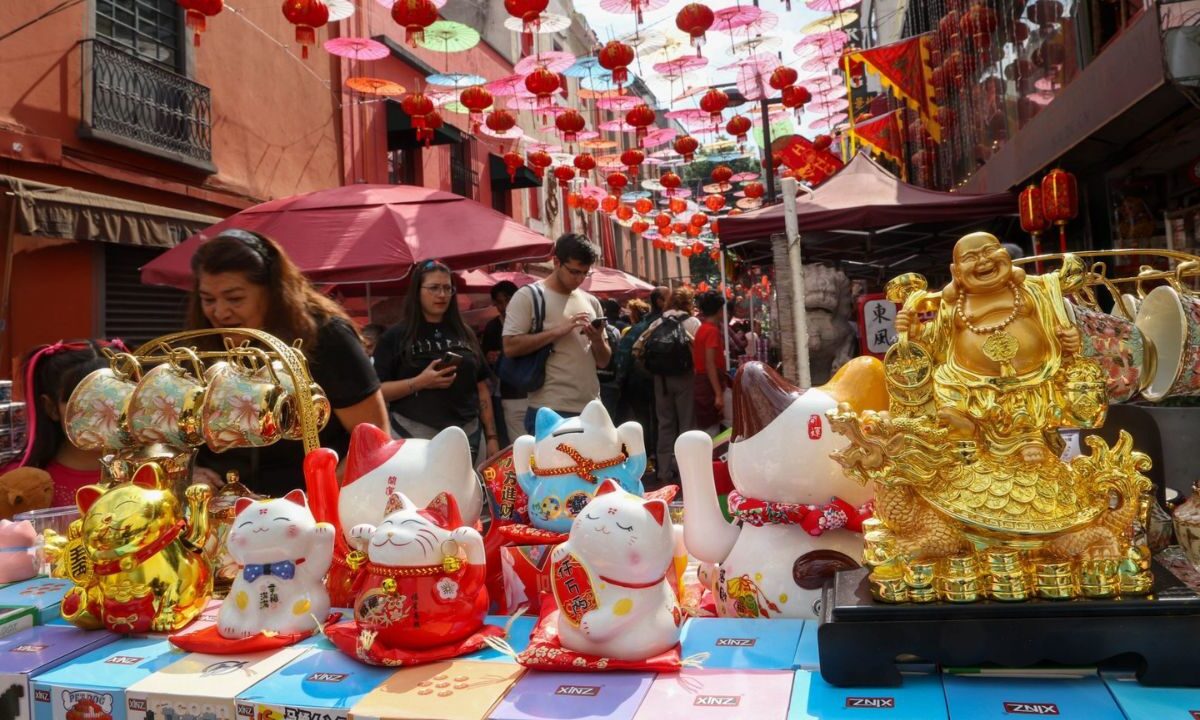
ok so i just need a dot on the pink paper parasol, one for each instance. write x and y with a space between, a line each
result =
677 67
750 203
757 45
761 63
659 136
618 125
829 107
830 93
727 19
506 86
716 188
632 7
687 115
513 133
552 60
744 177
542 147
593 191
547 23
339 10
820 62
389 3
835 39
598 143
831 6
690 93
357 48
531 103
765 22
830 122
618 102
666 155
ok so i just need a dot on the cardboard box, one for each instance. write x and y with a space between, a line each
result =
209 683
525 573
454 690
1009 698
920 698
518 637
707 694
743 644
575 696
322 684
1154 703
44 594
32 651
101 677
808 655
14 620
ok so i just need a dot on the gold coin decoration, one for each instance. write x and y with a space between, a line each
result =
1000 347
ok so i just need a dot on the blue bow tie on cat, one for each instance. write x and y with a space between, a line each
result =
284 570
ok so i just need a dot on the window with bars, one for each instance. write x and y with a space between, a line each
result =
150 29
460 169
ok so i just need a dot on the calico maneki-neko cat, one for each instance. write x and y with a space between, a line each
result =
377 467
423 597
800 516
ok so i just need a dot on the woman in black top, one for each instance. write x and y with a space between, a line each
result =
245 280
425 395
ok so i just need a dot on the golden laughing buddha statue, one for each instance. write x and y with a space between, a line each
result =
972 498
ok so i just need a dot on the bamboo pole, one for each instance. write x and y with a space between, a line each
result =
797 272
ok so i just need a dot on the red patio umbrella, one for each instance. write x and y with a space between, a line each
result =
609 282
479 281
369 233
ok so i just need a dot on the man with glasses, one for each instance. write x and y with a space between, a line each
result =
579 345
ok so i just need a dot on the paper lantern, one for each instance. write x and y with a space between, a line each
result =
686 252
632 159
979 22
662 220
542 83
564 174
617 181
624 213
475 99
714 202
713 227
513 161
570 124
698 248
584 162
418 107
796 97
679 228
722 174
643 205
738 126
1060 202
307 16
539 160
677 205
615 57
695 19
694 231
197 13
714 255
699 219
640 117
432 121
714 103
822 142
782 78
528 11
609 203
639 227
574 200
686 146
754 189
591 204
500 121
1033 217
414 16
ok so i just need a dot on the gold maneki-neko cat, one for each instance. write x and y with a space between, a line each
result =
972 499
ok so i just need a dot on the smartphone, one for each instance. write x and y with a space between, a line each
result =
599 322
450 359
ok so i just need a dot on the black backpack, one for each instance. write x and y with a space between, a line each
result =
668 348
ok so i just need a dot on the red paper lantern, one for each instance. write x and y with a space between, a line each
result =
584 162
564 174
796 97
783 77
1060 201
500 121
662 220
475 99
713 227
714 103
640 117
722 174
418 108
686 146
617 181
539 160
529 11
980 22
822 142
714 202
615 57
542 83
609 203
686 252
591 204
197 13
699 219
624 212
643 205
714 255
680 228
414 16
632 159
738 126
639 226
693 231
307 16
1033 217
432 121
574 200
677 205
513 161
754 189
695 19
570 124
698 248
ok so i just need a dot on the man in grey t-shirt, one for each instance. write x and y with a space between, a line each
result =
579 345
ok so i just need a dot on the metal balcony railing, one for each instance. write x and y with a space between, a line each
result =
131 102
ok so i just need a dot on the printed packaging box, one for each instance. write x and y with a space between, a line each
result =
44 594
203 685
575 696
14 620
1154 703
93 685
525 570
1011 698
455 690
36 650
206 618
706 694
808 656
920 698
518 637
743 644
322 684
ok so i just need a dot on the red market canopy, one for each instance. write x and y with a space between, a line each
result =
369 233
478 281
609 282
864 196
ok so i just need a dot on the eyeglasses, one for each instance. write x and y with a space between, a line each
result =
438 289
577 273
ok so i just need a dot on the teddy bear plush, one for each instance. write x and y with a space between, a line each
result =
25 489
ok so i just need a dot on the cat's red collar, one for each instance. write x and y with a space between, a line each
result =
128 562
632 586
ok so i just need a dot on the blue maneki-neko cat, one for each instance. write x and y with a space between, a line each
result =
560 467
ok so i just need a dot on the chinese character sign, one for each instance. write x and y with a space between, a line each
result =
876 324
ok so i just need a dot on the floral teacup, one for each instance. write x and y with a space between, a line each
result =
97 413
242 410
166 406
1170 317
294 430
1120 348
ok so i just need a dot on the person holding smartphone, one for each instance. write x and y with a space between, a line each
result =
432 370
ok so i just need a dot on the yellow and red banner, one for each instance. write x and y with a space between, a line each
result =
903 68
883 134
